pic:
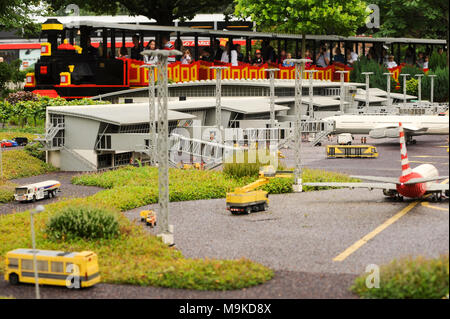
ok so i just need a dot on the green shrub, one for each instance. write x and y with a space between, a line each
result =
440 85
409 278
412 86
18 163
34 149
437 61
7 190
250 165
377 79
82 222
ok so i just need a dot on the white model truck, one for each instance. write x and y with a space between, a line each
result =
33 192
345 139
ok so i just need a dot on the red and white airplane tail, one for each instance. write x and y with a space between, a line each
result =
406 169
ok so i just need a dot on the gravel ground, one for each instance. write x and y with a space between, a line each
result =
68 190
285 285
304 232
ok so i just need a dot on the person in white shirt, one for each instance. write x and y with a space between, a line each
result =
233 53
391 63
352 57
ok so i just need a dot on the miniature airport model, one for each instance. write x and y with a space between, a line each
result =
36 191
413 183
247 199
52 267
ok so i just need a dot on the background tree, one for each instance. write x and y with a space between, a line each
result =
163 11
418 19
337 17
16 14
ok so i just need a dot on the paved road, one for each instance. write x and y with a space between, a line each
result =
68 190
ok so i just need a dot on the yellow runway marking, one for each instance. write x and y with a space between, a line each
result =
426 204
350 250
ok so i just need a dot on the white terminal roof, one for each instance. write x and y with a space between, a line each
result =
379 92
372 98
318 100
118 114
133 113
245 105
40 252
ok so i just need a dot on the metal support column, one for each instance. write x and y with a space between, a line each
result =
272 95
367 74
432 76
299 65
164 230
388 88
419 87
341 93
404 75
219 100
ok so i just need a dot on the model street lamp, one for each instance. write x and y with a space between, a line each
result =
165 232
151 108
432 76
299 65
37 210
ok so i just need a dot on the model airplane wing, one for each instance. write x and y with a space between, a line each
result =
406 127
424 180
437 187
353 185
382 179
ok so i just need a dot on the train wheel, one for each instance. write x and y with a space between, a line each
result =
13 279
34 198
248 210
266 206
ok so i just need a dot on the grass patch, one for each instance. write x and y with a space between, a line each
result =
6 191
134 257
9 134
407 278
18 164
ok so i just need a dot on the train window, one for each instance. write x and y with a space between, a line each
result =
42 265
13 263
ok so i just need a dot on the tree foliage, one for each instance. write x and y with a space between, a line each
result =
305 16
163 11
16 14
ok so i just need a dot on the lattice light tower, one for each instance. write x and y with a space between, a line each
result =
151 108
404 87
272 95
164 230
367 74
432 76
341 93
219 100
299 65
311 92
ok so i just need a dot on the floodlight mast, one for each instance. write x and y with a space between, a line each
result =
219 100
164 230
310 92
37 210
419 88
272 95
151 105
432 76
299 65
341 93
367 74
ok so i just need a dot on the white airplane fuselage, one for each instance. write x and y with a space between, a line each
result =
364 124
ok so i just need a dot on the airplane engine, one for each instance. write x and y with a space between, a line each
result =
377 133
391 132
419 189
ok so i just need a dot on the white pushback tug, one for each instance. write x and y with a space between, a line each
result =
33 192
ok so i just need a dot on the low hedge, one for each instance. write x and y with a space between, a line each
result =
407 278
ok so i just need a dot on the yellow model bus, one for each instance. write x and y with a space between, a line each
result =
351 151
71 269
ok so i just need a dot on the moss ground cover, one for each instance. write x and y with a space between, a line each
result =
408 278
134 257
18 163
6 191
